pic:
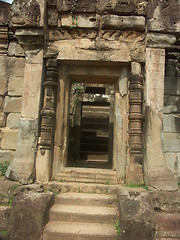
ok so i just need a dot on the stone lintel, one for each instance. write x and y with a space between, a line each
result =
87 50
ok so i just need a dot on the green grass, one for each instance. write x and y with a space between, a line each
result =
117 227
3 168
134 185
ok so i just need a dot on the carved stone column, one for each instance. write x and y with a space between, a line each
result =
48 115
135 124
48 111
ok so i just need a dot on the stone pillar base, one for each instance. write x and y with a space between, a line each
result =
134 174
43 165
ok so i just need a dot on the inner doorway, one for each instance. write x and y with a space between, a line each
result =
91 125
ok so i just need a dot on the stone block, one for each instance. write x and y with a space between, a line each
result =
171 104
2 66
15 50
171 123
13 120
123 22
15 86
4 16
28 215
13 104
81 6
171 142
23 167
137 213
9 139
160 40
3 85
123 36
81 21
16 66
163 16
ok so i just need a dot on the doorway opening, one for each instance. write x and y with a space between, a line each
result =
91 125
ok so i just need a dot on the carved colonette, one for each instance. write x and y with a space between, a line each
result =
136 119
48 112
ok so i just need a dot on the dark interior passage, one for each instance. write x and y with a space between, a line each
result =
90 138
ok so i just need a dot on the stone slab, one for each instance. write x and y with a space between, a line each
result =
9 139
86 50
123 22
13 104
171 142
81 6
13 120
172 85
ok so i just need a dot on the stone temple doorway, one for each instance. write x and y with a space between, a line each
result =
91 125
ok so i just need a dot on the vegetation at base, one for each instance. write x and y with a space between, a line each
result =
10 201
134 185
3 168
117 227
107 182
179 183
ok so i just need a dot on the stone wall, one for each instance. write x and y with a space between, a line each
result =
171 115
12 64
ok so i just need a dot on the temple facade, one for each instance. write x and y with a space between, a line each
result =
91 83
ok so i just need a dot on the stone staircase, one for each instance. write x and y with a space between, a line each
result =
82 216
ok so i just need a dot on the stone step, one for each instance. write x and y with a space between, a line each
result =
78 213
79 231
94 139
168 225
90 175
84 199
94 133
64 187
94 147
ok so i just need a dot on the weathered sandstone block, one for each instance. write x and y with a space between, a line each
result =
15 66
171 142
123 22
173 162
22 168
28 215
15 86
13 104
13 120
3 85
160 40
137 213
171 104
171 123
9 139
